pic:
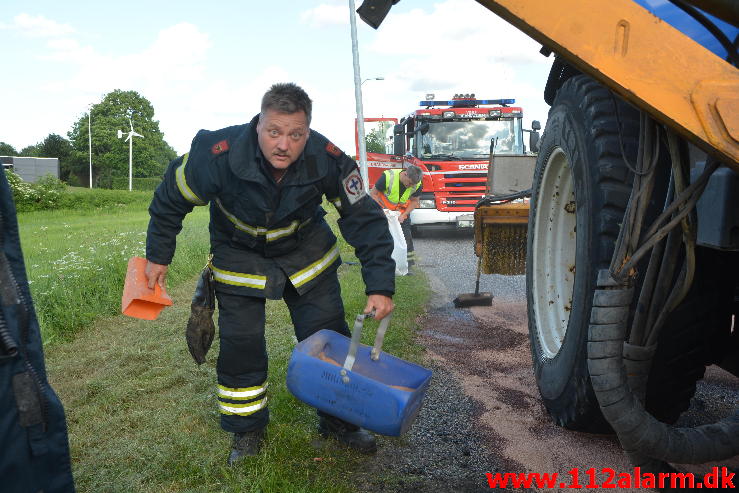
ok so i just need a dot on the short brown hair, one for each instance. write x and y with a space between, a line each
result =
414 173
287 97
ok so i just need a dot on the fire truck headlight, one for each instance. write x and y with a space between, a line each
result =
494 113
427 204
447 114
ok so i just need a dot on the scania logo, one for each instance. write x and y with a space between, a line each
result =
473 166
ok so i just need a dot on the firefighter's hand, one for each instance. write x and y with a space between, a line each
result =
381 304
156 273
402 217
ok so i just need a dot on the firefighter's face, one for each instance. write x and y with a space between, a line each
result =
282 136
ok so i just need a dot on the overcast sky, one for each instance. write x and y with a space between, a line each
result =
206 64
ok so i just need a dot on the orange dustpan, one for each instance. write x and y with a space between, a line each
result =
138 300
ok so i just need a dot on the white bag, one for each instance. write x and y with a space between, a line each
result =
400 248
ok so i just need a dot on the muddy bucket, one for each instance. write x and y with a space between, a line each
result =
138 300
357 383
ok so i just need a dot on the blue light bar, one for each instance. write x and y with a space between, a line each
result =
467 102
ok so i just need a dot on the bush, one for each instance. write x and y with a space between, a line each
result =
100 198
74 181
50 193
45 194
121 183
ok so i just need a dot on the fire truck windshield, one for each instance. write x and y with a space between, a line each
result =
469 140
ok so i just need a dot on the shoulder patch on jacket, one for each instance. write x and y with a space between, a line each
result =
353 186
219 147
333 150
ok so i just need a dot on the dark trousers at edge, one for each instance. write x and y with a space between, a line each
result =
406 227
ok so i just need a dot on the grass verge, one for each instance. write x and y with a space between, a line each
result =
76 259
143 417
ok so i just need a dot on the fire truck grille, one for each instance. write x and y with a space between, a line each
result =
471 194
455 176
467 180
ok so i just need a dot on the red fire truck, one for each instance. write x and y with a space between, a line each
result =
452 142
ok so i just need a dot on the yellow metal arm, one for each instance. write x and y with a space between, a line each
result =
644 60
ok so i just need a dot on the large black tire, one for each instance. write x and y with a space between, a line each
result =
696 334
582 132
579 164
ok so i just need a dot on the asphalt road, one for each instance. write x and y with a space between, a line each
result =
450 257
482 413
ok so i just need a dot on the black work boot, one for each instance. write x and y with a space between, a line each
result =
245 444
351 435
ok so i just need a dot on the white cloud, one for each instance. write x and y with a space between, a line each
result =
211 106
445 47
326 15
39 26
63 45
177 54
463 48
170 72
455 30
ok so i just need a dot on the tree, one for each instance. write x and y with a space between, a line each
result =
109 153
7 150
57 146
375 140
30 151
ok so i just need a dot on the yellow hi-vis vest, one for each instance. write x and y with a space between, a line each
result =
392 198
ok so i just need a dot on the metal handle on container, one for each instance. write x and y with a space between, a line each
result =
380 338
357 337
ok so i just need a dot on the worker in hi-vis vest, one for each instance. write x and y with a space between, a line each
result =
400 190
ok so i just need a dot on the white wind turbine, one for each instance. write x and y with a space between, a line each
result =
130 135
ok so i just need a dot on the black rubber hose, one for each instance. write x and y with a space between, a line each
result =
500 199
731 54
651 278
686 200
638 431
727 10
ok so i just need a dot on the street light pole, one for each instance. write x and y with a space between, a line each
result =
373 78
358 96
89 139
130 163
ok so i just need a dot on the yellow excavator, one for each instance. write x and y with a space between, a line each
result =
632 236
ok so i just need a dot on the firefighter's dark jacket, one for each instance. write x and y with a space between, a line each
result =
264 234
33 432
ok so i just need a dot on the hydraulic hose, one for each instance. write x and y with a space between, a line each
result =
501 199
641 435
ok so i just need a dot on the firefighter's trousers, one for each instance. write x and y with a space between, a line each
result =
242 361
405 226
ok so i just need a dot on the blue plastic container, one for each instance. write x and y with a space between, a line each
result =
369 395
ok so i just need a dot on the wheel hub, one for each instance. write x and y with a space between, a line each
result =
554 246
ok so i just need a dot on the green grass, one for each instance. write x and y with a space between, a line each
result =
76 260
142 415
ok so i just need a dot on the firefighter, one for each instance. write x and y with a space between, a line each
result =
33 431
265 182
400 190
